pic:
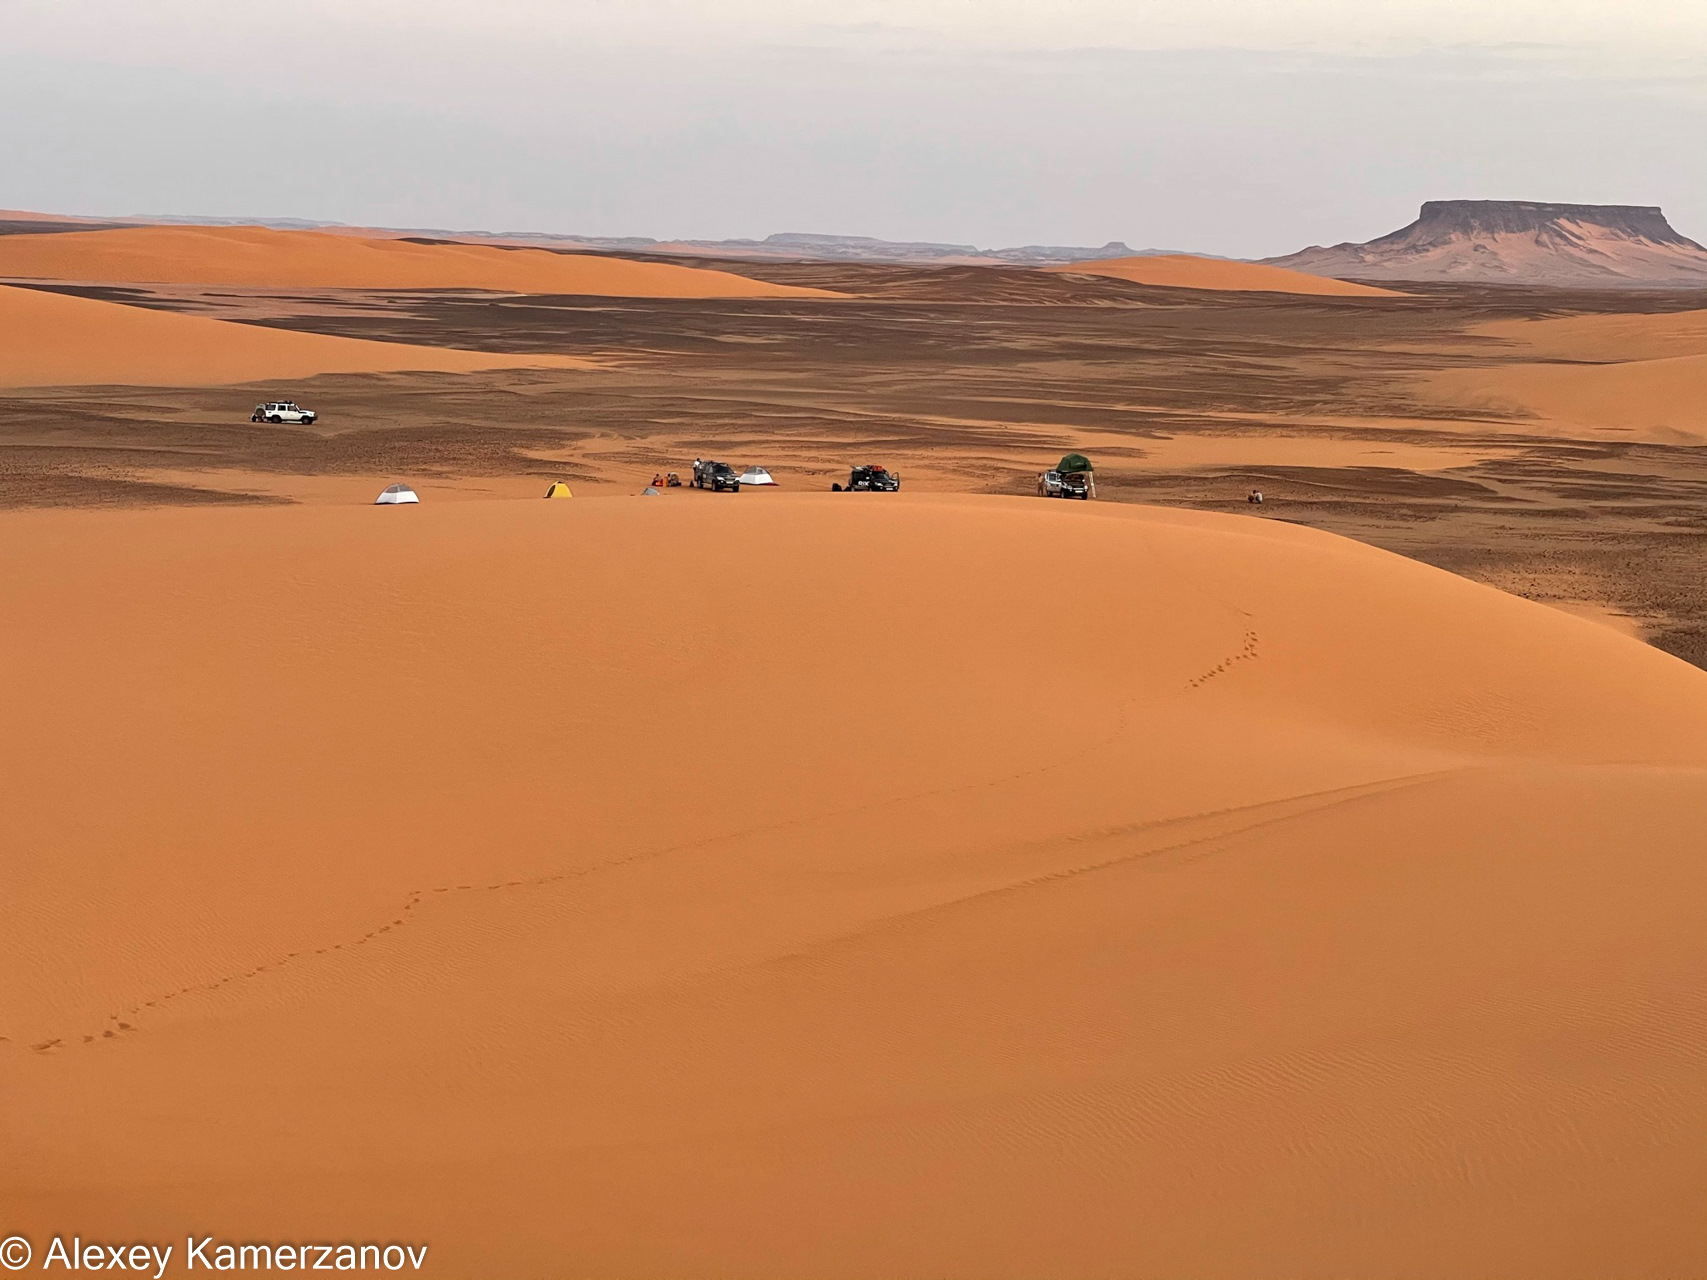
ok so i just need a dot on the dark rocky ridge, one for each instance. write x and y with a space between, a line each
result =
1521 242
1446 218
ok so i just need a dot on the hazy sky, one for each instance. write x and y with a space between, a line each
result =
1244 127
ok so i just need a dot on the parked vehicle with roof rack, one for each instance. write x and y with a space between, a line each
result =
1072 477
870 478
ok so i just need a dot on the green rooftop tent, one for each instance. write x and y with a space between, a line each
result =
1073 464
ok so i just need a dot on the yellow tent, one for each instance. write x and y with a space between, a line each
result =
558 490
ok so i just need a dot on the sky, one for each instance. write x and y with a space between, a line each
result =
1238 127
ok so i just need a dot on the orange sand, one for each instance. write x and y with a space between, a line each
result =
1664 401
27 215
1601 338
255 256
689 886
50 339
1184 271
1625 377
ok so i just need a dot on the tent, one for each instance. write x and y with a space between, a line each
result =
558 490
756 475
395 493
1073 464
649 491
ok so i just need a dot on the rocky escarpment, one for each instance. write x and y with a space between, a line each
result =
1521 242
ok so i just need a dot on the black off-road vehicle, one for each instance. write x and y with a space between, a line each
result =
715 476
1071 477
870 479
1054 484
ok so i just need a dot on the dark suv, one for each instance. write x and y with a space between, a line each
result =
715 476
870 479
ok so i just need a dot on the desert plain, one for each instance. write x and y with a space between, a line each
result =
796 883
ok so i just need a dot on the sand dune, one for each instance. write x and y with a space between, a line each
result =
26 215
50 339
1663 401
1624 377
256 256
1185 271
1599 339
474 874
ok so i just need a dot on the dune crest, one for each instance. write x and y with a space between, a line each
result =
1186 271
259 257
1276 906
1603 339
1661 401
30 215
1619 377
55 340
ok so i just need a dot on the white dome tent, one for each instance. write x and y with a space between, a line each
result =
395 493
756 476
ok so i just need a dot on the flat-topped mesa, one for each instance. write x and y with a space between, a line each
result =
1521 242
1440 218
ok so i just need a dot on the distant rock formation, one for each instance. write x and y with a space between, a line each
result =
797 245
784 246
813 242
1520 242
790 246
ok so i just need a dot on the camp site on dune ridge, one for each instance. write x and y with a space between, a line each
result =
796 848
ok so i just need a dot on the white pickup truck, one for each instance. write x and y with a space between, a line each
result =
282 411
